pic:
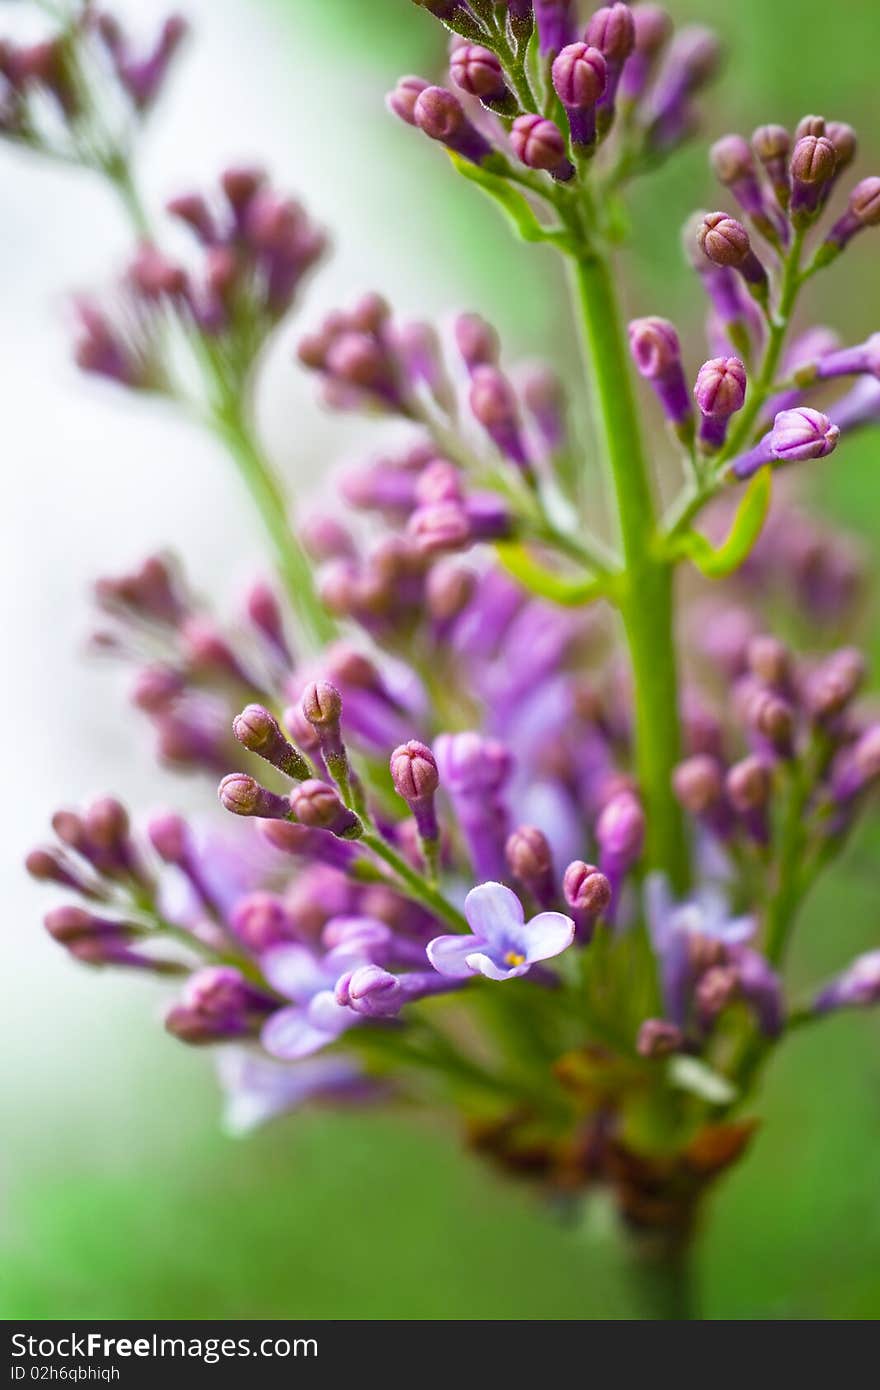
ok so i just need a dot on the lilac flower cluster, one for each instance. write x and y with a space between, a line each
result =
490 859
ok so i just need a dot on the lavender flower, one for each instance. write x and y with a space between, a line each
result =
502 945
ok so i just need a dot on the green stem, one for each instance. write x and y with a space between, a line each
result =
414 884
265 490
645 595
663 1281
791 283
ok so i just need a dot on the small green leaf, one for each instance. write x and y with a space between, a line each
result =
559 588
512 202
716 563
690 1074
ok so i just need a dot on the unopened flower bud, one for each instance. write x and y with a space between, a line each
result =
539 144
441 116
749 784
769 660
259 731
586 888
771 144
370 991
243 796
402 100
698 784
658 1038
477 71
772 718
317 805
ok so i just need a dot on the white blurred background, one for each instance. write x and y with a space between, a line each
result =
95 478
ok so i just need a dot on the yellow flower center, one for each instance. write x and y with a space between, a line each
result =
514 958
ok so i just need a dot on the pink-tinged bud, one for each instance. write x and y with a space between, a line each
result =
441 116
586 888
530 860
698 784
371 991
322 704
261 920
834 683
243 796
539 144
612 30
477 71
259 731
402 100
803 433
749 784
812 126
773 719
477 341
107 823
720 390
771 144
449 589
48 866
318 805
718 987
813 160
439 526
731 159
864 202
620 830
657 1038
414 771
655 347
845 142
723 240
170 837
579 76
769 661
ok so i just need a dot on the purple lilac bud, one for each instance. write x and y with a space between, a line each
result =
834 683
555 23
261 920
450 588
692 61
402 100
218 1003
863 210
658 1038
796 435
477 341
370 991
589 894
772 719
317 805
477 71
494 406
322 706
416 779
855 361
441 116
473 771
656 351
264 612
726 243
243 796
771 144
813 162
749 785
612 30
530 858
858 987
769 661
539 144
142 78
620 834
720 391
259 731
579 77
734 165
698 783
653 28
50 866
733 310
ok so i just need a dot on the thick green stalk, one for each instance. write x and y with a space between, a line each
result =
662 1280
645 595
294 567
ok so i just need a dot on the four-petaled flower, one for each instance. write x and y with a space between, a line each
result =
503 944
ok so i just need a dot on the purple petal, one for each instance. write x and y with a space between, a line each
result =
297 1032
546 935
493 912
479 962
294 972
449 955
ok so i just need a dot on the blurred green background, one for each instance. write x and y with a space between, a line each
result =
157 1215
